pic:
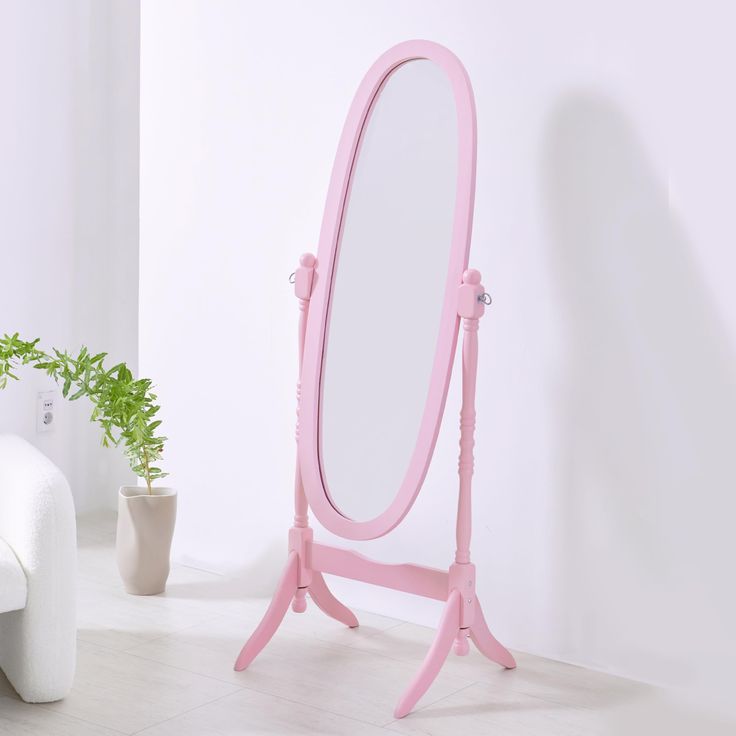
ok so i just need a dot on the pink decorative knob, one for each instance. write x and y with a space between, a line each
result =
469 299
471 276
304 276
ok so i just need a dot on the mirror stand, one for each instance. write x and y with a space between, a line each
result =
462 616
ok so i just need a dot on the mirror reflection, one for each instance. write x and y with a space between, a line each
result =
388 290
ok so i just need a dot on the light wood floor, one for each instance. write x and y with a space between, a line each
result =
162 666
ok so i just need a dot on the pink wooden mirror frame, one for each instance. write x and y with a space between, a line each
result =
308 561
315 484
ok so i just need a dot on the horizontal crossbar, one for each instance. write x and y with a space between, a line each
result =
416 579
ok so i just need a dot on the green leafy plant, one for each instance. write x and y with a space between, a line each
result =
124 407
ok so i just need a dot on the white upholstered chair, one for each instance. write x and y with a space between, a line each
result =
38 551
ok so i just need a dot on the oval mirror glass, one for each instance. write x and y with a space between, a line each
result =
388 289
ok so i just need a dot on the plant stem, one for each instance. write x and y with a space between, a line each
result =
148 472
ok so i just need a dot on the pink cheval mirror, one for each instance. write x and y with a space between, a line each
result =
380 311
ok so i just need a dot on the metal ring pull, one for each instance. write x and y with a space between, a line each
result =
485 297
292 277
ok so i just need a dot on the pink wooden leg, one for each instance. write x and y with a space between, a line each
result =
487 643
274 615
462 648
327 602
437 654
299 604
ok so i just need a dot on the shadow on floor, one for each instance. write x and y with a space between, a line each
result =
257 580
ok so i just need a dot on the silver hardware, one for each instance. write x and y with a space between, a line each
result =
485 297
292 277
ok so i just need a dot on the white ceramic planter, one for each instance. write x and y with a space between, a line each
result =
145 528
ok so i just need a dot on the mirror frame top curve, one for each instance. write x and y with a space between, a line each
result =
319 304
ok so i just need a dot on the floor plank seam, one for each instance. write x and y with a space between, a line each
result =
46 707
166 635
430 704
183 713
318 708
188 671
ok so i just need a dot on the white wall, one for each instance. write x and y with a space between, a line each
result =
605 467
69 205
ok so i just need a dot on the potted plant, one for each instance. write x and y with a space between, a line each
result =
125 408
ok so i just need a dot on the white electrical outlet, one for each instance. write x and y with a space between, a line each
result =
45 411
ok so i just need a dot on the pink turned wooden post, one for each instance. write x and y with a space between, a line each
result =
298 575
459 613
470 309
462 573
303 278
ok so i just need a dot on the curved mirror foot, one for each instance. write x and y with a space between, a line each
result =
285 591
327 602
437 654
487 643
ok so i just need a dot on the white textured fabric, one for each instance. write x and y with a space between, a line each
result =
38 643
13 588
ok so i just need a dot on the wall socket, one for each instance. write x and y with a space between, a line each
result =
45 411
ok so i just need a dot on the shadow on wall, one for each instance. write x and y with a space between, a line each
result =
647 458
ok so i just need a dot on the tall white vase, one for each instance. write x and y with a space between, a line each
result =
145 529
